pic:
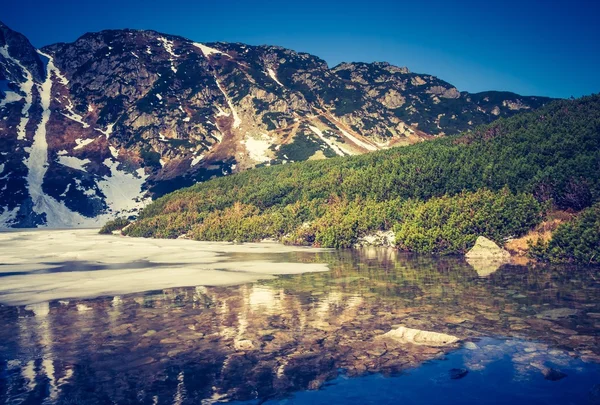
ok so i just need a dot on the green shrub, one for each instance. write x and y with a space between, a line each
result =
452 224
577 241
437 195
115 225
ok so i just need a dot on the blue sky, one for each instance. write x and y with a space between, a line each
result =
549 48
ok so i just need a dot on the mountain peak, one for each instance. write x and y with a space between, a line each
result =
121 116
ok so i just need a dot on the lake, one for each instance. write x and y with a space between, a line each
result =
206 323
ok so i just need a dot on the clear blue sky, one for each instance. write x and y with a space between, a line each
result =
541 47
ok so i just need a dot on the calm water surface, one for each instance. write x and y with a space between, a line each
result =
528 335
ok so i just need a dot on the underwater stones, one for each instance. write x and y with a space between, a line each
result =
557 313
420 337
458 373
471 346
551 374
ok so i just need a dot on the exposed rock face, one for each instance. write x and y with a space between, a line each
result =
94 128
420 337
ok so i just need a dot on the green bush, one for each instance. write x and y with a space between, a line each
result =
452 224
115 225
577 241
438 195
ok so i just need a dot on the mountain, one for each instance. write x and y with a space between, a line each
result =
97 128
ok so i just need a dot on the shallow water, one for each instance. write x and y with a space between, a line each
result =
528 335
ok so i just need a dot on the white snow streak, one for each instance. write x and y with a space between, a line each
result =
197 160
26 87
169 48
329 142
57 214
64 194
207 50
74 116
358 141
222 112
114 152
273 76
236 119
353 138
81 143
108 131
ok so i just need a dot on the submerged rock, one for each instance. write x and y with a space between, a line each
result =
553 375
471 346
458 373
557 313
420 337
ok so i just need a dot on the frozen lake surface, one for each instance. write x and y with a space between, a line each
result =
38 266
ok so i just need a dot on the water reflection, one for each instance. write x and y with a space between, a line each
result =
270 339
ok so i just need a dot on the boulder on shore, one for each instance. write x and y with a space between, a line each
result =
486 256
487 249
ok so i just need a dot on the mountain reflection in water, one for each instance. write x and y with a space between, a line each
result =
273 339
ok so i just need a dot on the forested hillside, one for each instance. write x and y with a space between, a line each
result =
438 196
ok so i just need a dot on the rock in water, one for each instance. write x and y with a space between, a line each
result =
485 248
486 256
553 375
420 337
458 373
557 313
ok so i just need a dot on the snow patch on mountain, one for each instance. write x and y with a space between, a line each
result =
258 148
108 131
114 151
207 50
7 217
274 76
26 87
10 97
73 162
123 190
195 160
329 142
81 143
352 138
168 45
236 118
73 116
57 214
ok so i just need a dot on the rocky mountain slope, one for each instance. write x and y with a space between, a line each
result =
98 127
